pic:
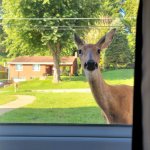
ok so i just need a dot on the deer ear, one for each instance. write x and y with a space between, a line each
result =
78 41
105 41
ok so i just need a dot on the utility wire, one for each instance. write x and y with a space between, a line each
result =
105 18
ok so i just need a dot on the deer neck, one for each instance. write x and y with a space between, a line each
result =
99 88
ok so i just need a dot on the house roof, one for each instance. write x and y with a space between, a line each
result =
42 60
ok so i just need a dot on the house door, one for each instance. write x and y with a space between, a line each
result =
49 70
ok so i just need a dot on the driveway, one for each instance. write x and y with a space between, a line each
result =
21 101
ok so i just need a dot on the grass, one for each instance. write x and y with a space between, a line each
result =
5 98
121 76
57 108
66 83
62 107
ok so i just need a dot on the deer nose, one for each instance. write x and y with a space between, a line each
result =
91 65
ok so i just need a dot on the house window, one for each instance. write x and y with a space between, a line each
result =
19 67
36 67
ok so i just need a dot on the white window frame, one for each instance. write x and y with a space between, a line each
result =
36 67
19 68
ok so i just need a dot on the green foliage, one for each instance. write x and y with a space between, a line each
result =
42 25
2 48
111 10
130 8
30 36
65 70
118 54
3 75
131 43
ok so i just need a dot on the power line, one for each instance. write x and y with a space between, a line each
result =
69 28
46 26
105 18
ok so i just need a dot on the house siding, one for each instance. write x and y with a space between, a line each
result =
45 69
27 72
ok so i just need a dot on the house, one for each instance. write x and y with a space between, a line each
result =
29 67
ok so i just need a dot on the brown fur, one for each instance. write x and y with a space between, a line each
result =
115 101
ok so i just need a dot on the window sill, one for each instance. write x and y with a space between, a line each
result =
68 137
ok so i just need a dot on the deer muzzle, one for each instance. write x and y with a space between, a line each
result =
91 65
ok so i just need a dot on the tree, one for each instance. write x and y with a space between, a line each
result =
124 15
43 26
129 20
2 34
121 15
118 53
2 48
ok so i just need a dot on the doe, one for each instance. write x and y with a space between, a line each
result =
115 100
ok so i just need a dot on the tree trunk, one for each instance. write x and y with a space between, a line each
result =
55 50
56 74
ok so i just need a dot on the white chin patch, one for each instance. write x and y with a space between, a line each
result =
91 74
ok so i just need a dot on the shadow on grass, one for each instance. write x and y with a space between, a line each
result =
80 115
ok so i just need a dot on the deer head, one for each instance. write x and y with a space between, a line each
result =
89 54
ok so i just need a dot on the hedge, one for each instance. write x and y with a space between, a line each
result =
3 75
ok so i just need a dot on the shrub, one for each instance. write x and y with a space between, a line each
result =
3 75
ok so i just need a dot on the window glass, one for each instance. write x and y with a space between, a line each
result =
19 67
36 67
73 60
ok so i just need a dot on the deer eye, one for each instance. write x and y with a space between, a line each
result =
98 51
79 51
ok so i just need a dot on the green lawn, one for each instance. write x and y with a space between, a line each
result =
62 107
5 98
36 84
57 108
122 76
